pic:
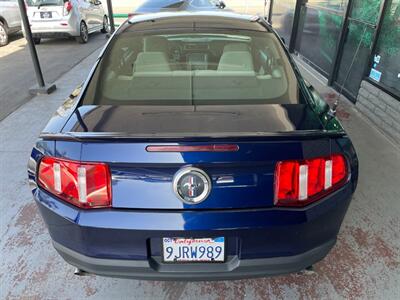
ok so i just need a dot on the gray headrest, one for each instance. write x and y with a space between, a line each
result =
236 47
236 61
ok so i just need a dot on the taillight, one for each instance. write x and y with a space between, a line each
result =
67 7
85 185
299 183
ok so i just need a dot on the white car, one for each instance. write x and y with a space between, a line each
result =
66 18
10 20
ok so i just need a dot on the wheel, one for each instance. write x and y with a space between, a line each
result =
84 34
3 35
106 25
37 41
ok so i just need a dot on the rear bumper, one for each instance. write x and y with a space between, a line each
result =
234 268
259 242
50 29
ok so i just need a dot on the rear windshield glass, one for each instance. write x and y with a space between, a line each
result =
203 3
45 2
160 3
193 68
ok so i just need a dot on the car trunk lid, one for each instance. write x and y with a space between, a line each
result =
194 121
241 177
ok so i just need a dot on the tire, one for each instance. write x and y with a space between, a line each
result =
106 25
3 34
37 41
83 38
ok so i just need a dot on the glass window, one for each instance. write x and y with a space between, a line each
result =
320 34
332 4
366 10
219 67
386 61
203 3
357 46
282 18
160 3
356 52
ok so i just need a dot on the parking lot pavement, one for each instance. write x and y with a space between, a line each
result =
56 56
365 263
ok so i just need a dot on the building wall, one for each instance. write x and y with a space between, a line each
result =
382 109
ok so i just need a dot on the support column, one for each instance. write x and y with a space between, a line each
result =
111 16
41 87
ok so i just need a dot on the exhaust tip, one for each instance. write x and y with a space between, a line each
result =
80 272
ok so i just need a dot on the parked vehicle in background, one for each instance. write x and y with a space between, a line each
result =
152 6
66 18
10 20
194 151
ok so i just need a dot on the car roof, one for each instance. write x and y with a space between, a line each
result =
175 5
202 19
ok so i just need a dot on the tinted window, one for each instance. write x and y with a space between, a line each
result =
168 3
386 64
203 3
282 18
194 68
160 3
320 33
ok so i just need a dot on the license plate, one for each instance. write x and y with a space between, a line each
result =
180 250
46 15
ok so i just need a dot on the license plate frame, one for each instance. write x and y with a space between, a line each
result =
220 260
46 15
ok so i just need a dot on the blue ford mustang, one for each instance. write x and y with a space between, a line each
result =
194 151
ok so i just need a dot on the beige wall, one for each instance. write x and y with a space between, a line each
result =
242 6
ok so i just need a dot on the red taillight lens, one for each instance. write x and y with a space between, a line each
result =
299 183
287 187
339 169
67 7
86 185
316 176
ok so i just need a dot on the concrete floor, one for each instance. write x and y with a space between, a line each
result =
57 56
365 263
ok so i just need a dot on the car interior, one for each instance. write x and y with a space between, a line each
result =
196 68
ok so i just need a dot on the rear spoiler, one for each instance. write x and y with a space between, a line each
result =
104 136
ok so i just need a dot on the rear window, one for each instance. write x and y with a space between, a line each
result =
203 3
161 3
193 68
